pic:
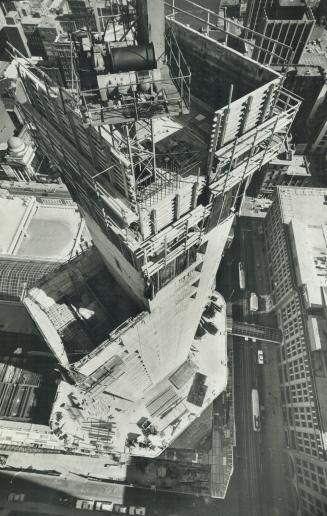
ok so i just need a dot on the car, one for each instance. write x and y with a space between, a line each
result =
87 505
123 509
260 357
64 500
104 506
256 423
16 497
140 511
132 510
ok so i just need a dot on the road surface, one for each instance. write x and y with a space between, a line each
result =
249 441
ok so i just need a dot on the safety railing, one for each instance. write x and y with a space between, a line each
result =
189 13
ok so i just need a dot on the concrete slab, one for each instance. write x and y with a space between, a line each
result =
51 233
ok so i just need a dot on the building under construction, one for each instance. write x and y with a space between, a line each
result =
158 170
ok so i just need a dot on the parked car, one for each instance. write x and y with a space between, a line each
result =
87 505
256 424
140 511
104 506
260 357
16 497
64 500
123 509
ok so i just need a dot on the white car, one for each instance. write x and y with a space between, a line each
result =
16 497
140 511
123 509
87 505
104 506
260 357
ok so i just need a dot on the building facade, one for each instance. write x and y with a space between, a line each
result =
288 23
296 251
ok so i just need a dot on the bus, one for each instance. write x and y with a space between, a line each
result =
255 411
241 275
253 302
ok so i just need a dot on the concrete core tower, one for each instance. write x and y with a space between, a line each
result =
158 179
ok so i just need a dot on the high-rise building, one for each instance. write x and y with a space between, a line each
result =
158 184
309 82
288 22
12 32
297 258
40 32
317 130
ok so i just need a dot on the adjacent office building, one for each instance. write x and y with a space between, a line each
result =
288 25
297 258
13 33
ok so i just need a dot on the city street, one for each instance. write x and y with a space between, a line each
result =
248 444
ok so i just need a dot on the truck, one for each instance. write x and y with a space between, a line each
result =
255 410
241 275
253 302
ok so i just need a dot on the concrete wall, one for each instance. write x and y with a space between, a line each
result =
175 315
125 274
215 67
162 338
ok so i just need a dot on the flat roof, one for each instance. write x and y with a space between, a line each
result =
31 20
292 3
315 53
51 232
48 229
305 212
12 211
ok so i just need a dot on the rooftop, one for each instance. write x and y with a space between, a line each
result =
305 211
254 207
315 53
289 10
297 165
43 229
291 3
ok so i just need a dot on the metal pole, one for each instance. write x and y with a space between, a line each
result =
97 19
153 150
